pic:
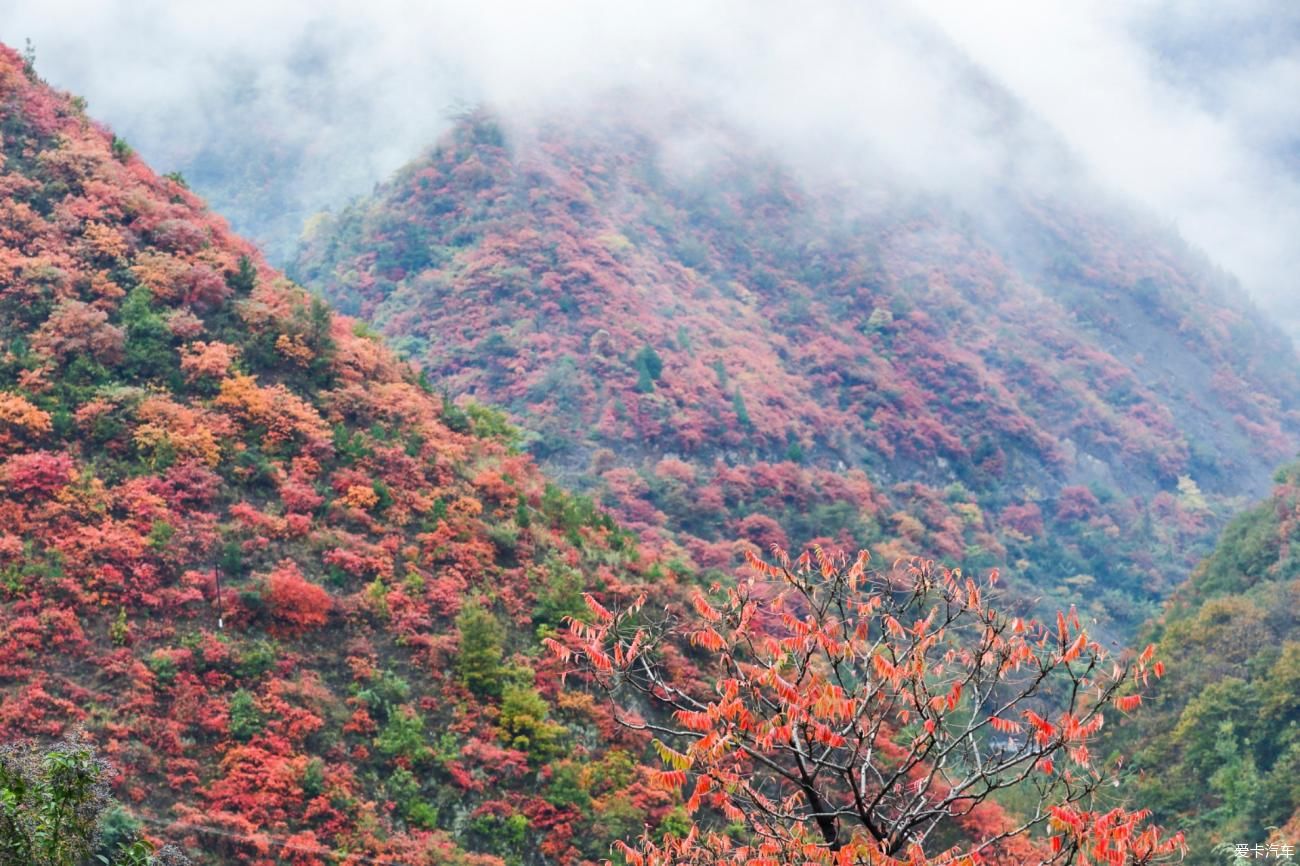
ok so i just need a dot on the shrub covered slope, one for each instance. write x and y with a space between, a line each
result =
170 406
1217 751
720 351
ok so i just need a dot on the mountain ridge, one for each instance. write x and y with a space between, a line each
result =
635 318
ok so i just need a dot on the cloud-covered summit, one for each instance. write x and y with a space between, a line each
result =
277 110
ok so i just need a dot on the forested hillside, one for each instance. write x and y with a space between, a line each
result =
293 596
719 350
299 600
1217 752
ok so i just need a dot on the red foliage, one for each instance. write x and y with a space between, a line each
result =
1076 503
37 474
763 531
283 443
785 331
76 328
296 604
1026 518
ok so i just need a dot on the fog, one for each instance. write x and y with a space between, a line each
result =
276 110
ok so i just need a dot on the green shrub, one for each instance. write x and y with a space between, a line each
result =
313 778
163 667
56 810
422 814
525 724
384 694
245 719
568 786
403 737
255 659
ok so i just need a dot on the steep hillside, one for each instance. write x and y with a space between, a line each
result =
363 684
1218 749
719 352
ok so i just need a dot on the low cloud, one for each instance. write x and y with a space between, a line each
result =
1185 109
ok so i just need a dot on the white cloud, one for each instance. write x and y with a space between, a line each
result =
1188 136
1185 108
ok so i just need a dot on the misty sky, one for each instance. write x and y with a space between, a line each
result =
1188 109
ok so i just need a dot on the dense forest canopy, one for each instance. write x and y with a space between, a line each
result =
465 542
296 597
716 350
1216 751
174 411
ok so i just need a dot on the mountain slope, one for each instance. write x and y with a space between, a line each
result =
1217 748
720 350
363 684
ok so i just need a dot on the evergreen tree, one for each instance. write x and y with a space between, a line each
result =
742 413
649 367
244 280
482 646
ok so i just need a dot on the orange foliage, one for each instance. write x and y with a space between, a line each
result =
296 604
20 421
842 697
207 359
